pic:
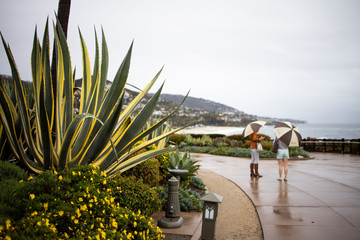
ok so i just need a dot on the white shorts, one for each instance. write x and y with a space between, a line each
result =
254 156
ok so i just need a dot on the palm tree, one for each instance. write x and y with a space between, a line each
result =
63 14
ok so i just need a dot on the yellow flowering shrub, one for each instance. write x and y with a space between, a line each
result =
78 205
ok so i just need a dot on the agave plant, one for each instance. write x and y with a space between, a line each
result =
103 134
183 161
166 127
5 148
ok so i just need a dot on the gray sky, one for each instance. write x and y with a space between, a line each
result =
294 59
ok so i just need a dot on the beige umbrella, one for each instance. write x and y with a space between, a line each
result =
252 127
287 133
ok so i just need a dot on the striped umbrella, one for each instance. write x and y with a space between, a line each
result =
287 133
252 127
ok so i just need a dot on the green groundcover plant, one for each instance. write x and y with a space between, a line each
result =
76 204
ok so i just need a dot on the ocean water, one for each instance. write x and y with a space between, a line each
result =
313 130
318 130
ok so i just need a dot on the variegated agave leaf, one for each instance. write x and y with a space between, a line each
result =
104 133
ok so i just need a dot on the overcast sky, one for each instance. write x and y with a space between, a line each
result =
295 59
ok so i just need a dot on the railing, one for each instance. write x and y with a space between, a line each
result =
351 146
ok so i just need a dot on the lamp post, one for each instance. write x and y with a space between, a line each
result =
210 211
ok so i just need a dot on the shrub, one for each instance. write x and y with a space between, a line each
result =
221 142
197 149
206 140
10 206
266 154
267 145
197 183
238 137
135 195
239 152
235 143
297 151
188 199
148 171
177 138
246 144
11 171
220 150
10 177
74 204
164 161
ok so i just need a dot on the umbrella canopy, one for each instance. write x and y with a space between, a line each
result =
252 127
287 133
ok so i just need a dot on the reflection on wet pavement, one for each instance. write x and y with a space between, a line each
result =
320 200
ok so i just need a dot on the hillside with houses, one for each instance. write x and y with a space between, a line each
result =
195 111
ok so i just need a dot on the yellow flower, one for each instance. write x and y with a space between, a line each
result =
55 172
83 208
135 224
114 224
21 181
78 212
80 199
8 223
46 206
66 235
60 177
31 177
103 234
32 196
97 237
61 213
76 221
7 237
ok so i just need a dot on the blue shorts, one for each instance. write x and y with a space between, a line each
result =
282 154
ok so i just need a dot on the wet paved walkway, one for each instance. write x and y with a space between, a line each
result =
320 200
